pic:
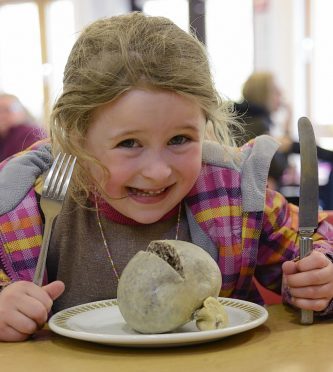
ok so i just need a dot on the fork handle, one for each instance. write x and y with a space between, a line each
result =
40 268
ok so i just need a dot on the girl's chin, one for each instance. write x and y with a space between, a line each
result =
149 215
146 219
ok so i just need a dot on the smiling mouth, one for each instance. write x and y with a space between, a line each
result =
144 192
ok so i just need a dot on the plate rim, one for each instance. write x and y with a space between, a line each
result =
156 340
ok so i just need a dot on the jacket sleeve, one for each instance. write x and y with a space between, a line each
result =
279 241
4 278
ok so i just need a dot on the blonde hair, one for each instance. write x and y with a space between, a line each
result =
115 54
257 88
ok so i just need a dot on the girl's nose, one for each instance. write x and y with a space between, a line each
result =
156 167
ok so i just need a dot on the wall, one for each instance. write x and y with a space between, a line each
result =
86 11
279 34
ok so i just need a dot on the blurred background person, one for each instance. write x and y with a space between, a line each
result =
18 129
262 99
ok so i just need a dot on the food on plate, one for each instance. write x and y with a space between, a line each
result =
212 315
165 286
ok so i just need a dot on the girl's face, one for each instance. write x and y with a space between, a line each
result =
151 143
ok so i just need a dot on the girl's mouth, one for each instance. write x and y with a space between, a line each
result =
145 192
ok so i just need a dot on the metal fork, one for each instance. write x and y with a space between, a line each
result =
53 195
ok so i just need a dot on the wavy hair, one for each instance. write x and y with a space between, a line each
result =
114 55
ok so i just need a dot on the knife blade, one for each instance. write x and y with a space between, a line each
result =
308 198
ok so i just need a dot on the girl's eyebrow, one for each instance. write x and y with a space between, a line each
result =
126 133
134 132
189 126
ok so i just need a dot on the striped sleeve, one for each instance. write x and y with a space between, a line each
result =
279 240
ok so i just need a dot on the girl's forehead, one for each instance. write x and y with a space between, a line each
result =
140 110
142 99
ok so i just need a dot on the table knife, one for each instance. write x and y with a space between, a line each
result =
308 198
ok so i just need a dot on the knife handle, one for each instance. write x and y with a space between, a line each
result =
305 247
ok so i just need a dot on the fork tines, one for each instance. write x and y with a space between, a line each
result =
57 180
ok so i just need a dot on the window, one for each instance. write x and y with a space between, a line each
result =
60 42
229 34
322 62
229 37
33 54
20 55
176 10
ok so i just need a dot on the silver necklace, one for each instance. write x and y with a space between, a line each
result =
106 245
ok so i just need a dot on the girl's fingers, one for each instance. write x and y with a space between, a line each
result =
33 309
24 308
15 292
40 295
289 267
21 323
319 304
314 277
54 289
10 334
311 292
316 260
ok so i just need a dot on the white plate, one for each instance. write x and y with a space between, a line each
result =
103 323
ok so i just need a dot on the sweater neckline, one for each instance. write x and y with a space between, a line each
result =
113 215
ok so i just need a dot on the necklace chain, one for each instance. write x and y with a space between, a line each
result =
106 245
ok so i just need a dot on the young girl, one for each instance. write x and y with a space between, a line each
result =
137 103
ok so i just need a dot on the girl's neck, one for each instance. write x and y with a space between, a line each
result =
112 214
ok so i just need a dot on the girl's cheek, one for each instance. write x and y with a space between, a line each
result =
97 173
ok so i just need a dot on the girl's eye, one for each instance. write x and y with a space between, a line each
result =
178 140
129 143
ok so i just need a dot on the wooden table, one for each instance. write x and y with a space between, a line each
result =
281 344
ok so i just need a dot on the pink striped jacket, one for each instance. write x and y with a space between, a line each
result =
248 229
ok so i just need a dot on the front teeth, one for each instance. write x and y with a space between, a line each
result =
147 192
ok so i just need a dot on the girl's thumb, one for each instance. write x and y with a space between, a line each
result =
54 289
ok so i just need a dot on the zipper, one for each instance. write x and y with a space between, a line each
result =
3 259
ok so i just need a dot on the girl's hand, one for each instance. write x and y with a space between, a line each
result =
24 308
310 281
